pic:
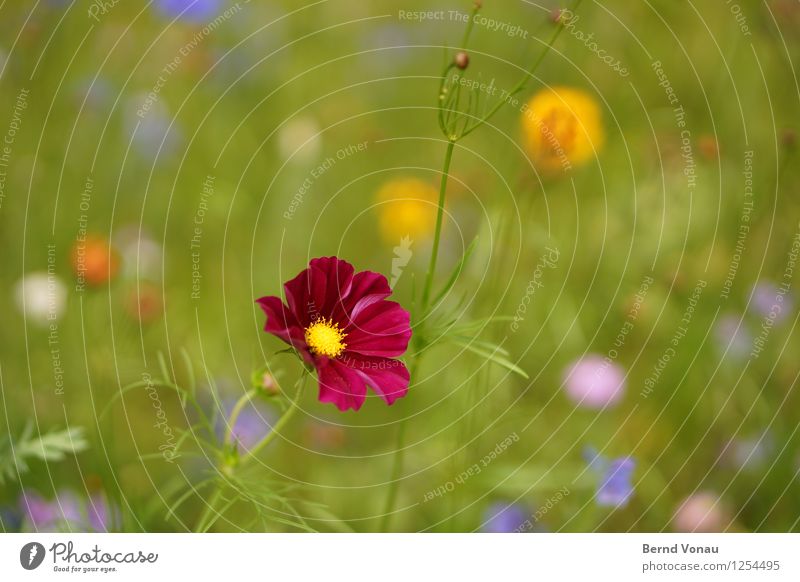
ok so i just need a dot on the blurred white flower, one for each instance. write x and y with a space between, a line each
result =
300 140
41 296
141 254
748 453
732 336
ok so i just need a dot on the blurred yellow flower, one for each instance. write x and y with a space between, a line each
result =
407 208
562 128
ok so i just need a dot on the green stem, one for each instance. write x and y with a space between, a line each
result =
230 461
470 24
287 416
397 469
437 233
524 80
397 463
237 409
201 523
450 65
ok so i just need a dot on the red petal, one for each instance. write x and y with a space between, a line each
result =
282 323
367 288
388 378
340 385
381 329
318 289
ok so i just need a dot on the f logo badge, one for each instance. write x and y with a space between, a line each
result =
31 555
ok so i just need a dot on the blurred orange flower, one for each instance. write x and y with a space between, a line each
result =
562 128
144 303
407 208
94 261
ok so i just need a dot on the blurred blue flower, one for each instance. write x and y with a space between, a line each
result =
10 520
189 10
151 128
504 518
614 487
768 301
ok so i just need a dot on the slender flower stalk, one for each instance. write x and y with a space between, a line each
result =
234 416
231 460
437 233
397 464
284 420
521 84
455 125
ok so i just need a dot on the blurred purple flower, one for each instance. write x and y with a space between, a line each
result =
189 10
504 518
614 487
103 516
42 515
768 301
255 421
67 513
733 336
594 382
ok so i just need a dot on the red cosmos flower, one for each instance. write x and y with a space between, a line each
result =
342 323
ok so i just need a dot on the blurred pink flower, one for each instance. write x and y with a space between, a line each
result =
594 382
700 512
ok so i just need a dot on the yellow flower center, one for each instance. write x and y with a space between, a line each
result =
325 338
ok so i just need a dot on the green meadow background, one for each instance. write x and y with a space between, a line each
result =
240 103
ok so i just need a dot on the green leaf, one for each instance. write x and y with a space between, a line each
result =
143 384
51 447
456 273
472 327
482 344
493 354
318 512
187 362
